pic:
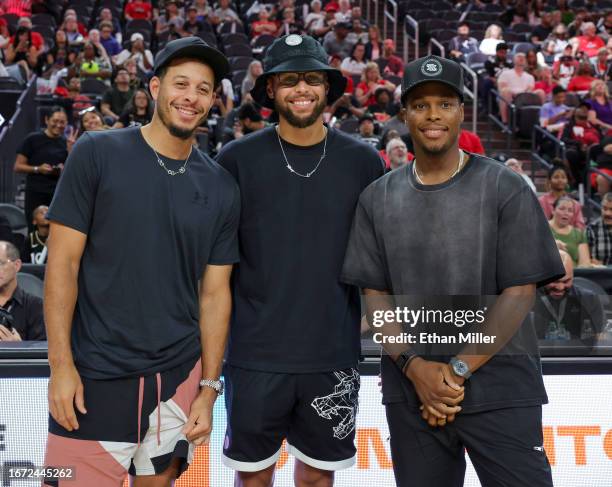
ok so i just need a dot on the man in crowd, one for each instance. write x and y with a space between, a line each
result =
117 97
249 120
462 44
388 62
136 330
414 234
336 42
589 43
599 233
137 51
397 152
366 130
512 82
21 313
566 311
294 337
107 39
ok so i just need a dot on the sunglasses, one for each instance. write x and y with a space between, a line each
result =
312 78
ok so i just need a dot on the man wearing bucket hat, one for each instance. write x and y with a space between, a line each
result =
294 338
127 351
449 224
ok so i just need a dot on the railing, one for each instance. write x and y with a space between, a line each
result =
505 128
441 50
539 134
387 15
368 10
409 21
473 94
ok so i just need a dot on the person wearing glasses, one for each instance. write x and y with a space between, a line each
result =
21 313
294 337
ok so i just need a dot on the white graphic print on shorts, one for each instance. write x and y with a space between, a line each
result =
343 402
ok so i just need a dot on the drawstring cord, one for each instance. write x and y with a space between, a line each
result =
140 401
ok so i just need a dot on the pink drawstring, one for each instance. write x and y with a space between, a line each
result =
158 377
140 401
140 398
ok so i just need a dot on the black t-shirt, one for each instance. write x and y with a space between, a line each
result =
475 235
40 149
541 32
117 99
35 249
131 119
149 238
27 312
291 313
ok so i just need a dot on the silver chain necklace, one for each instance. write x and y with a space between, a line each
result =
181 170
310 173
459 166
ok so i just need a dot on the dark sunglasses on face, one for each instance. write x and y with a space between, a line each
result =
313 78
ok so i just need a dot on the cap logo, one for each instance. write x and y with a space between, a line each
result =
431 67
293 40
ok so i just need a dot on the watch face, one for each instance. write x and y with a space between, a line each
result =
460 368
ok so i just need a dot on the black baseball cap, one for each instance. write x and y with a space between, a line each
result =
432 68
501 46
193 47
297 54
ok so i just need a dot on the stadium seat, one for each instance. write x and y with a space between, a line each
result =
527 113
30 284
209 38
349 125
92 86
15 216
238 77
10 84
263 41
139 25
476 60
232 50
43 19
231 28
237 38
572 99
239 63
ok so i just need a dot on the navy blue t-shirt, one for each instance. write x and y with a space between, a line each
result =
291 313
149 238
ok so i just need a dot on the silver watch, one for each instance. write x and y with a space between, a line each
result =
460 368
217 385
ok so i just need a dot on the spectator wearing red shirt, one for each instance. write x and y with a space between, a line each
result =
544 83
138 9
388 62
589 42
470 142
578 135
263 25
581 83
370 80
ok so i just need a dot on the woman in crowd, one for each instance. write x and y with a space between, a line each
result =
559 38
356 62
547 56
601 64
370 80
41 158
558 180
568 237
492 37
254 71
91 120
138 111
600 113
582 81
374 47
93 64
22 49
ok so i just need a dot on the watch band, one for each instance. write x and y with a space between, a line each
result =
404 359
216 385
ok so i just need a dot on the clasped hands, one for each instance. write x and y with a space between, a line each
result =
439 389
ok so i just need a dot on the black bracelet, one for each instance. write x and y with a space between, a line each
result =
404 359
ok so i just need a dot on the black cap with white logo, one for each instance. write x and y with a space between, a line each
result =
432 68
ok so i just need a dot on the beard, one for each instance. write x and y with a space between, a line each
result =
297 122
175 130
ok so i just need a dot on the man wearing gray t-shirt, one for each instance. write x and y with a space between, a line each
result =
454 225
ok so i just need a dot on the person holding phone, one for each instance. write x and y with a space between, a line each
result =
555 114
41 158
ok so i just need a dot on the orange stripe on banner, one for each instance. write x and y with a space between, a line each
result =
607 444
365 437
579 433
549 444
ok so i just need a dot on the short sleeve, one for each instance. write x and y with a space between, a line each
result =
73 202
25 148
225 248
35 323
526 249
364 265
581 237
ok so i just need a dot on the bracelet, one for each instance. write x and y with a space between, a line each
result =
36 169
404 359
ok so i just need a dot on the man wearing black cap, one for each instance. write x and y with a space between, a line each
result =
454 224
135 330
294 340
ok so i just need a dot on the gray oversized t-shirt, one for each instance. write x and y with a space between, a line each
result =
476 234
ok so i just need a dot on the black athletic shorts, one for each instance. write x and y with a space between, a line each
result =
315 413
504 445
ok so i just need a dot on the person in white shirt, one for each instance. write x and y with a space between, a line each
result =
315 19
137 51
511 82
493 36
356 62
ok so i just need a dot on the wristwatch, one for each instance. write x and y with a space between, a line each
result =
460 368
217 385
405 358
